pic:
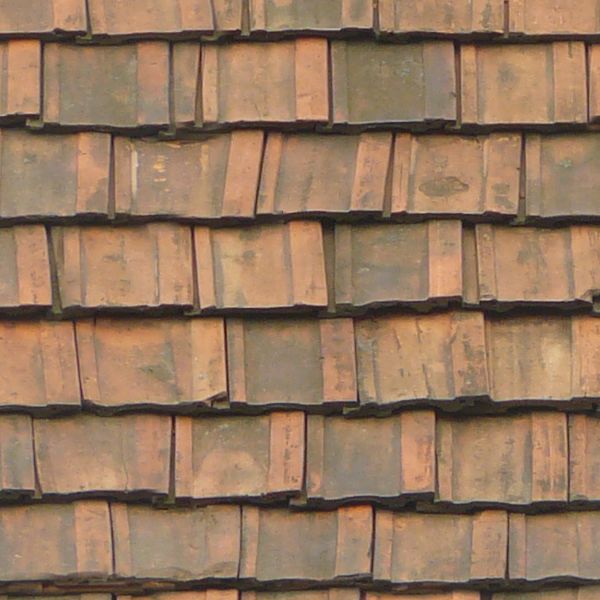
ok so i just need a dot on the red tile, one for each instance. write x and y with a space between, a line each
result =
464 548
594 81
554 17
142 266
134 451
176 544
583 593
297 362
43 16
385 83
20 76
456 595
382 264
152 362
584 458
520 459
331 594
38 365
116 86
216 177
239 456
55 541
17 472
312 546
261 267
194 595
532 84
344 458
53 175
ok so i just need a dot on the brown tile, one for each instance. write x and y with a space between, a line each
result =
152 362
117 86
584 458
239 456
456 175
296 180
262 267
386 83
554 17
310 15
583 593
456 595
53 175
134 451
344 458
193 595
42 16
176 544
212 178
54 541
518 459
296 362
331 594
442 357
568 540
532 84
594 81
38 365
17 472
383 264
441 16
135 266
312 546
20 76
464 548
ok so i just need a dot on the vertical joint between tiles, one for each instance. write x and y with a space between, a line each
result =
389 181
171 498
113 548
88 18
506 18
522 202
78 364
588 86
195 280
261 167
171 94
54 288
330 106
36 474
458 74
376 24
112 201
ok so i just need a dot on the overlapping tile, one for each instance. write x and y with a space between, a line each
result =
17 472
330 594
20 76
553 18
583 593
584 458
456 595
43 17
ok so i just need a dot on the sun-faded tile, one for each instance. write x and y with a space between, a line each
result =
298 362
532 84
212 178
261 267
584 458
344 458
384 264
145 266
53 175
442 16
42 16
551 546
20 76
17 471
456 175
591 592
114 86
464 548
254 82
296 180
331 594
227 457
455 595
518 459
310 15
554 17
442 357
387 83
53 541
87 454
321 546
151 362
176 544
38 365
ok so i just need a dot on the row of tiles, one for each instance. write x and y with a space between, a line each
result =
525 460
314 364
92 539
297 266
197 85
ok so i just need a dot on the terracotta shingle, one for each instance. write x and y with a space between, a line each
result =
136 363
264 266
582 593
20 76
134 451
17 474
176 544
331 594
464 547
313 546
456 595
554 17
195 595
594 81
344 458
584 462
239 456
393 84
42 16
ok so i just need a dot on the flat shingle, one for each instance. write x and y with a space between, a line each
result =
42 16
554 17
20 76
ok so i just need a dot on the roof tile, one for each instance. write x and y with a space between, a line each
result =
17 473
340 457
519 459
554 17
331 594
264 266
514 84
151 362
239 456
583 593
584 455
134 451
380 83
176 544
42 16
114 86
456 595
146 266
406 552
20 76
214 594
313 546
594 81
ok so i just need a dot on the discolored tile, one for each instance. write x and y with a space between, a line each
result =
584 458
20 76
17 470
42 16
554 17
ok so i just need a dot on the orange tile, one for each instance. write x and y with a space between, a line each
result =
210 594
554 17
331 594
20 76
17 471
584 458
456 595
43 16
589 592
